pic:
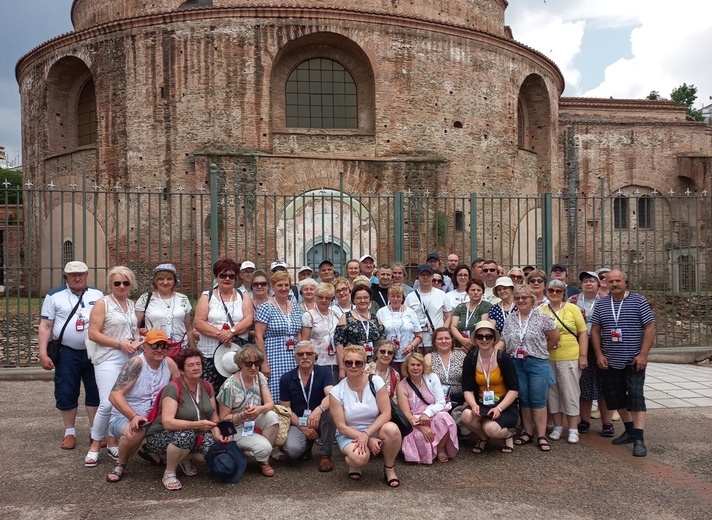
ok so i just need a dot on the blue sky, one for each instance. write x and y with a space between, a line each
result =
618 48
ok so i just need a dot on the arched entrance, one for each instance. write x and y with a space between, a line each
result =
327 247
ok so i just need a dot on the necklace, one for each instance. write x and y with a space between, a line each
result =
168 302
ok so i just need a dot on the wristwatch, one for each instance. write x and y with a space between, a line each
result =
321 407
232 329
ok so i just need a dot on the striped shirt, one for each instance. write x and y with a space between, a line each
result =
634 314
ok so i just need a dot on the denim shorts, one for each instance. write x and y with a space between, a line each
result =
534 377
343 440
116 425
73 367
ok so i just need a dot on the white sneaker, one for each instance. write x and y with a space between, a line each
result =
573 437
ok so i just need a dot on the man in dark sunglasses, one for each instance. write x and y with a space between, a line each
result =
305 390
490 274
134 392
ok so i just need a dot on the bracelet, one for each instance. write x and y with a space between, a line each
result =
132 417
500 410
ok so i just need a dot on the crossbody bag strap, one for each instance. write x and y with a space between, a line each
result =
74 310
417 392
562 323
370 384
425 309
142 325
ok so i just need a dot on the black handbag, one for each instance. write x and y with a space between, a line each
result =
397 415
55 345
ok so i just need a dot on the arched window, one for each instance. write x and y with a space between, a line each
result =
620 212
521 125
86 115
459 221
645 212
67 251
321 93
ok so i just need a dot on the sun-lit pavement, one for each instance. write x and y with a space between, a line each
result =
591 480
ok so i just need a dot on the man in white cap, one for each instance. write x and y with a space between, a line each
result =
304 272
247 269
65 316
367 264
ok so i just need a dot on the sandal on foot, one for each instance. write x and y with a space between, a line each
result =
479 447
584 426
508 445
266 469
114 476
171 482
608 430
92 459
355 475
391 483
543 444
523 438
442 457
113 452
188 469
150 457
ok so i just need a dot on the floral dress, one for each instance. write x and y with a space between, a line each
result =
280 341
354 332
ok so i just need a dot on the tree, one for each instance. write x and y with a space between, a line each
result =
654 95
10 193
685 96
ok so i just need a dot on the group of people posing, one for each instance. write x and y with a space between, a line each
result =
272 368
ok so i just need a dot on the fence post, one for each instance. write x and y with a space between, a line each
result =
213 213
473 226
547 231
399 224
602 226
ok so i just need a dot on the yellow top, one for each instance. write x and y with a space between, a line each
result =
568 349
496 383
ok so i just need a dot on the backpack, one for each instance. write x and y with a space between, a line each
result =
156 410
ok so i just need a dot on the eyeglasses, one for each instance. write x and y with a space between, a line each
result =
521 298
555 291
536 280
156 346
259 284
251 364
484 336
342 290
386 352
125 283
362 298
229 276
301 354
491 270
351 363
516 277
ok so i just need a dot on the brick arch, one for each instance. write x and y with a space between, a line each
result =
534 114
66 80
335 47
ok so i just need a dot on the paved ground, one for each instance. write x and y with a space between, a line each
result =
591 480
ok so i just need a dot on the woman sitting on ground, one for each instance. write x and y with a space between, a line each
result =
246 401
420 396
490 415
188 419
362 416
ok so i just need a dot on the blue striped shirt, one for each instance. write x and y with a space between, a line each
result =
633 317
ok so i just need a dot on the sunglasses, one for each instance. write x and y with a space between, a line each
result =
386 352
228 276
516 277
125 283
437 280
351 363
536 280
259 284
521 298
301 354
484 336
555 291
489 270
162 346
251 364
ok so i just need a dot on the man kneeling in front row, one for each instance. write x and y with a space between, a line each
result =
305 390
133 394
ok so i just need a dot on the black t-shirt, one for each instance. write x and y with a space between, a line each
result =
379 295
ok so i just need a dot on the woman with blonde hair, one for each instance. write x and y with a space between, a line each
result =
319 325
113 338
421 397
361 410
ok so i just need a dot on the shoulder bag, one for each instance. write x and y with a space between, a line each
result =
397 415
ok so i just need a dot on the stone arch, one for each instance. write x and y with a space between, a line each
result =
73 223
334 47
67 79
535 121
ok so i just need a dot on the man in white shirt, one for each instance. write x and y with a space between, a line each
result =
247 269
73 366
490 275
430 305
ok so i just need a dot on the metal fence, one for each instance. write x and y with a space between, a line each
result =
660 240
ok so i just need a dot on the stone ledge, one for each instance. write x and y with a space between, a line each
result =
685 355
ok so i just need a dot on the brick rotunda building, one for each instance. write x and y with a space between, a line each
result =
330 96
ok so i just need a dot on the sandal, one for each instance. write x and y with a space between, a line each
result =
114 476
608 430
188 469
266 469
523 438
479 447
149 456
442 457
113 452
92 459
543 444
508 445
355 475
171 482
390 482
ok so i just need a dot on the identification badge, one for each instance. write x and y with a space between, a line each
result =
466 334
331 350
396 341
167 329
248 428
521 352
303 419
289 342
369 348
424 325
616 335
446 391
488 397
81 324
